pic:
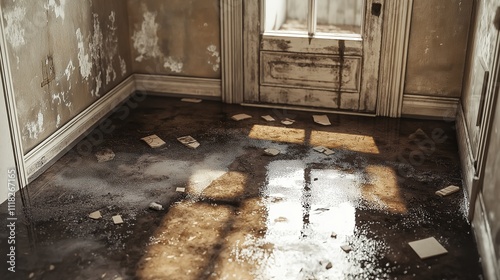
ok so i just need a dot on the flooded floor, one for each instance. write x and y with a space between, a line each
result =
244 214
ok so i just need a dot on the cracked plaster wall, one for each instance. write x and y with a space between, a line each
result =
64 55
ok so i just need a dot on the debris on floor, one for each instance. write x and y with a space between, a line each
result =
448 190
117 220
426 248
333 235
95 215
105 155
322 119
52 267
180 190
191 100
329 265
271 152
240 117
346 247
155 206
319 149
153 141
328 152
189 142
268 118
288 121
280 220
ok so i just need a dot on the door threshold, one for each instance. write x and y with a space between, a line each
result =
307 109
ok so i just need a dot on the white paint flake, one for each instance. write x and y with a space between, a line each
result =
36 127
58 121
173 65
83 57
69 70
57 7
111 47
123 65
14 30
214 59
146 39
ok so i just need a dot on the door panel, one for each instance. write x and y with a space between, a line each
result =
334 71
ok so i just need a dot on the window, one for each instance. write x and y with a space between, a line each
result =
313 17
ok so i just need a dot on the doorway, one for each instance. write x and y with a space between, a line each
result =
319 53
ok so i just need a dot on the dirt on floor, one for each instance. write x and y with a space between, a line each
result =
245 214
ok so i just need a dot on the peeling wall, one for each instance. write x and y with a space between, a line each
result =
174 37
64 55
438 47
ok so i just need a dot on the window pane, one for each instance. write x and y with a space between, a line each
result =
286 15
339 16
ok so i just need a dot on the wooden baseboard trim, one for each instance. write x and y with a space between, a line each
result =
429 106
39 158
186 86
465 150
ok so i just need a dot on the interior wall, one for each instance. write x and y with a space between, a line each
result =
175 37
437 47
64 55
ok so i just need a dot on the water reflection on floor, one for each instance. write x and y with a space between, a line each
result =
305 207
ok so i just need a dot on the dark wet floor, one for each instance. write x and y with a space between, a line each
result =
246 215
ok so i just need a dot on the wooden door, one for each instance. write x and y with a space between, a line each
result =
330 64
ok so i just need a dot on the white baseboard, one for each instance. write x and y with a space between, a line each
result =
38 159
430 106
480 222
168 85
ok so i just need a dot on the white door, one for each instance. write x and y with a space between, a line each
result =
320 53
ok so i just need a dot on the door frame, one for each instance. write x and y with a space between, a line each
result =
8 92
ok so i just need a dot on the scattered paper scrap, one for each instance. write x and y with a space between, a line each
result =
117 220
155 206
189 142
153 141
322 119
241 117
346 247
52 267
288 121
105 155
180 190
328 152
319 149
448 190
268 118
329 265
333 235
272 152
427 248
191 100
95 215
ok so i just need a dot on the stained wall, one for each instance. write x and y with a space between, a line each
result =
64 55
437 47
175 37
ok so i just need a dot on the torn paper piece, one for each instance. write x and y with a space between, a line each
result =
268 118
346 247
95 215
427 248
448 190
189 142
288 121
105 155
241 117
319 149
271 152
155 206
180 190
322 119
191 100
153 141
117 220
328 152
